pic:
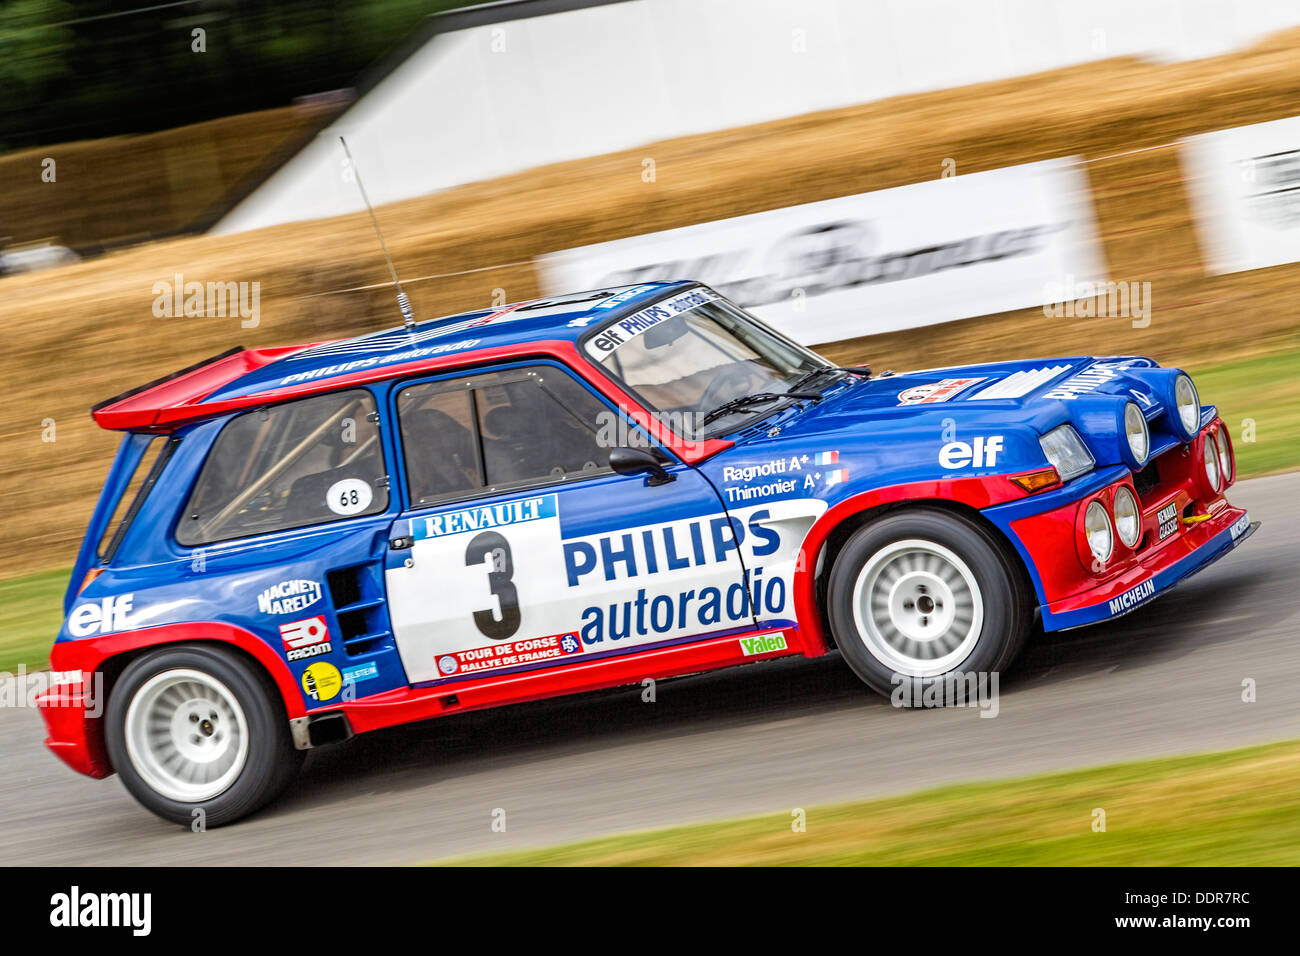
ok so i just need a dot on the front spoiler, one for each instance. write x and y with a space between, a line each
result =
1202 547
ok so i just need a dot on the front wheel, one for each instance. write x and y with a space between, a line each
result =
196 734
922 594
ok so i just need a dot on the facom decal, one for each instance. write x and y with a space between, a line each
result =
322 681
935 391
289 597
101 617
309 637
1132 597
625 330
763 644
510 654
982 454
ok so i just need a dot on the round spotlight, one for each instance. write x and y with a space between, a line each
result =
1128 519
1225 456
1188 404
1210 455
1096 525
1139 438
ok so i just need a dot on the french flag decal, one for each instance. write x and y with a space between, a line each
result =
837 476
828 458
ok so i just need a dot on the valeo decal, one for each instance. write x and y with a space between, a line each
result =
763 644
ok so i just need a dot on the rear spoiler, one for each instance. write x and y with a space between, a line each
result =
176 397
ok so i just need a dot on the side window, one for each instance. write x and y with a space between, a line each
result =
301 463
128 505
499 430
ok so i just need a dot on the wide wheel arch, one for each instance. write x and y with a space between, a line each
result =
112 655
824 544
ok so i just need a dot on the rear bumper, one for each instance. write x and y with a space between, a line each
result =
73 715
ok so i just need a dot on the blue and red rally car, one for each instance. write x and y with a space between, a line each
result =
295 545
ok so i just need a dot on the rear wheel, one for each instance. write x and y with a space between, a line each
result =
922 594
195 728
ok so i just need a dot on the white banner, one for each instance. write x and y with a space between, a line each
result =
1244 185
875 262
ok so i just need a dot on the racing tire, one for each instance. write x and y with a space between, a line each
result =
922 594
195 728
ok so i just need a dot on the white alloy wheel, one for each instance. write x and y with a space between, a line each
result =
186 735
918 608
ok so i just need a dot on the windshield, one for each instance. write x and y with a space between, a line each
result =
689 356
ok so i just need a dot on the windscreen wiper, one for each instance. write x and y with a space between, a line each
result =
758 398
821 370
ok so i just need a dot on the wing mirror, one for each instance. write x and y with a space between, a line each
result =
640 461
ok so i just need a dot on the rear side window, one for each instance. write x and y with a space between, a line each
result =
287 466
142 481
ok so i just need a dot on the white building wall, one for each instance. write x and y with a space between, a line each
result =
496 99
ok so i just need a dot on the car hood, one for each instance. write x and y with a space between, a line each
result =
898 415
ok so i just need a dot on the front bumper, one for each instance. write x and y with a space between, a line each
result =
1200 546
1185 524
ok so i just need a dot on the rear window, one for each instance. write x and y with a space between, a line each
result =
137 490
307 462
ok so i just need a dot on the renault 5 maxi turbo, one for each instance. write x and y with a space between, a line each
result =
296 545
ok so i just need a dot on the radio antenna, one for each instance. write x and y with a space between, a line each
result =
403 303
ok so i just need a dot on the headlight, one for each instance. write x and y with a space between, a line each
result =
1189 406
1096 525
1128 521
1210 453
1135 428
1067 452
1225 457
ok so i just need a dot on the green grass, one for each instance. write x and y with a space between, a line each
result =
31 612
1239 808
1264 390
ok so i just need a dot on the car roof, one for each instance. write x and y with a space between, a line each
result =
247 377
561 317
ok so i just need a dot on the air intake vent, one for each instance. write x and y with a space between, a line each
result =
358 596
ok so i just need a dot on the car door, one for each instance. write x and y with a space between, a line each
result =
520 548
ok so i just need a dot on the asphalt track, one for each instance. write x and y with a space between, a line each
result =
1166 679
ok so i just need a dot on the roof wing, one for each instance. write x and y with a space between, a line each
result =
141 407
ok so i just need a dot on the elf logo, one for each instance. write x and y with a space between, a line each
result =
983 454
102 617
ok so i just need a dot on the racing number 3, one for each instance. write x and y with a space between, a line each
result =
495 548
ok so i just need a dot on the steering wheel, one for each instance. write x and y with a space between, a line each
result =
737 378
